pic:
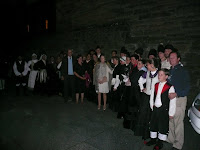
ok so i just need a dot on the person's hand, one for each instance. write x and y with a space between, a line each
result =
172 95
62 78
144 90
83 78
114 89
171 117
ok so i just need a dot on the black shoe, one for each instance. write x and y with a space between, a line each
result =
151 142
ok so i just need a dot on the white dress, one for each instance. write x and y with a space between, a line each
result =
32 75
103 71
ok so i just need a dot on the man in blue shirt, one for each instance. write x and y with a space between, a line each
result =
67 75
179 78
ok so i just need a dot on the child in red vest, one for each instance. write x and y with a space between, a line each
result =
163 109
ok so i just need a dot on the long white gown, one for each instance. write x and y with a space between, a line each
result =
32 75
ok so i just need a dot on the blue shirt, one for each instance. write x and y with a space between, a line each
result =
179 78
70 66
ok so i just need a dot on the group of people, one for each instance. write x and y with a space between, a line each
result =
150 94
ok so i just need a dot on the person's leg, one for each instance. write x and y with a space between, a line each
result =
72 86
77 98
178 122
104 100
82 97
99 100
65 89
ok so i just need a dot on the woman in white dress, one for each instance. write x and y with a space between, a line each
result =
102 80
33 73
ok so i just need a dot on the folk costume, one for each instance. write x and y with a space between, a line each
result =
162 107
20 69
33 73
149 78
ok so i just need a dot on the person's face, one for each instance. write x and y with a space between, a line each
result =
133 61
59 59
113 54
52 59
98 50
95 58
91 53
84 58
69 53
161 55
34 57
115 61
151 56
122 54
173 59
162 77
150 67
102 59
44 57
80 60
88 57
20 58
128 60
167 52
140 65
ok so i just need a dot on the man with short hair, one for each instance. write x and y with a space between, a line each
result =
168 49
179 78
20 69
67 75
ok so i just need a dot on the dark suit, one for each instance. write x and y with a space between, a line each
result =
69 80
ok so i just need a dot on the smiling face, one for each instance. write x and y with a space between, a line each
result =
173 59
161 76
134 61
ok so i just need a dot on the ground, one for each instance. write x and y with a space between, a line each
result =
47 123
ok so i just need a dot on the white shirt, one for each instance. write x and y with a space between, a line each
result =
165 64
158 102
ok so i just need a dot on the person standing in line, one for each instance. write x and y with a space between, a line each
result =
67 75
79 72
168 49
33 73
180 79
162 108
41 79
20 69
150 78
102 80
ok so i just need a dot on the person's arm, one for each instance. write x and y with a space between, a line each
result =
17 73
152 99
26 69
141 83
77 75
172 103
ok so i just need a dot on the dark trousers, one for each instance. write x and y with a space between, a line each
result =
69 87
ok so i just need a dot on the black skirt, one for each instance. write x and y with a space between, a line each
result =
79 85
144 116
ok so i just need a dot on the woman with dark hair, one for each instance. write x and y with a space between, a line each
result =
79 72
150 78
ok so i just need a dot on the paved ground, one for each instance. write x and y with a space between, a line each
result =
47 123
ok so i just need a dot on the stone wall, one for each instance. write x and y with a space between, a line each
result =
83 24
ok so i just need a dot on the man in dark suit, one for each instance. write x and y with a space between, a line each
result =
67 75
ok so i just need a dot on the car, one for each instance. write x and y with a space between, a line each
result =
194 114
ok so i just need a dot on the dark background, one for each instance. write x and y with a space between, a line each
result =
84 24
